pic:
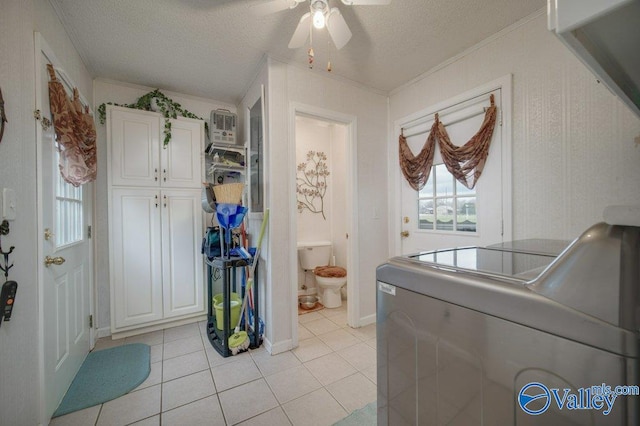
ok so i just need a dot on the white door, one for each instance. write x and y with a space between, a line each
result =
182 157
134 147
182 262
445 213
135 256
66 287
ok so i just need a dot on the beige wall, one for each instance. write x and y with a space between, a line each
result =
573 141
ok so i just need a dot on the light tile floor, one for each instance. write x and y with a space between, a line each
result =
330 374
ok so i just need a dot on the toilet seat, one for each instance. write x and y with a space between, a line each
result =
330 272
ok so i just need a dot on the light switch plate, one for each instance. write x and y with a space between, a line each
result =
8 204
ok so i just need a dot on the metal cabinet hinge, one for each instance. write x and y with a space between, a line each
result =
90 321
89 231
44 121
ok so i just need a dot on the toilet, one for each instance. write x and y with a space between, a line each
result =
314 256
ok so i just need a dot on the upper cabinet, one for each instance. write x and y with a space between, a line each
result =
605 36
138 157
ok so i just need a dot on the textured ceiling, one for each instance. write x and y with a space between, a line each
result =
212 48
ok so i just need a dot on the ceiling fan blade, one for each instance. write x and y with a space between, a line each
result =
366 2
273 6
338 29
301 33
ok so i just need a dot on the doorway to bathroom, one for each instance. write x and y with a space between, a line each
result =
325 180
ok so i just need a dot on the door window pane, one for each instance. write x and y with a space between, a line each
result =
69 216
444 214
444 183
446 203
426 215
466 214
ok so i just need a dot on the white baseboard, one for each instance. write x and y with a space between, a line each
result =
369 319
279 347
103 332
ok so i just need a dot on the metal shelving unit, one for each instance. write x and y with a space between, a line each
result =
230 270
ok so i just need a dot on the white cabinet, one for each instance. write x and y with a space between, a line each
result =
138 157
155 221
136 257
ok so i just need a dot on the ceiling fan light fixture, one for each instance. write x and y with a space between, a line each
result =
319 19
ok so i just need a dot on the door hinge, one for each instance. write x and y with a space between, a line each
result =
90 321
89 231
502 228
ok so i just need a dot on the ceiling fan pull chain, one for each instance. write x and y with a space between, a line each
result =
311 55
310 51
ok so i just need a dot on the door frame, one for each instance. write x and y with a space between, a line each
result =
41 46
349 121
505 84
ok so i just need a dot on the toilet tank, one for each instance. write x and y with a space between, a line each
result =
312 254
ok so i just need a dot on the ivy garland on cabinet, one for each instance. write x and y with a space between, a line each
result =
153 101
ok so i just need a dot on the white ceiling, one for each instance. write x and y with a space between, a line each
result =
212 48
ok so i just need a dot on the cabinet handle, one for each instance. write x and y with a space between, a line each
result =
156 201
156 176
165 174
165 201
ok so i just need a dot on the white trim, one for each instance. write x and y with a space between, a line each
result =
278 348
353 298
369 319
103 332
505 84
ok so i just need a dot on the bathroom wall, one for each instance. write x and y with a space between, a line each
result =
330 139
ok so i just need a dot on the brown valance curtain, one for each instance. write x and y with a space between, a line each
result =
75 133
464 162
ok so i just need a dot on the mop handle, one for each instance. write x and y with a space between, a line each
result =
265 219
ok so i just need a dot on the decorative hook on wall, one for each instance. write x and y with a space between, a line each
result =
4 230
3 116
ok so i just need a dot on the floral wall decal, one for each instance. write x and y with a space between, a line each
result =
311 183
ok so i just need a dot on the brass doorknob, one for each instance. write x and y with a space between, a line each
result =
48 260
404 234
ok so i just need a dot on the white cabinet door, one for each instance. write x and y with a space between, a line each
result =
182 265
136 266
182 157
134 148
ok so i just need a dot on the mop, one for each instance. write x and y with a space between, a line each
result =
239 340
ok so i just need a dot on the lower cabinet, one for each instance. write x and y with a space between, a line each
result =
156 265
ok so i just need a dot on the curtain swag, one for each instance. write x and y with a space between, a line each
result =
464 162
75 133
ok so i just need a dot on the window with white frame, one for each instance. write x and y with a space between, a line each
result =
69 214
444 204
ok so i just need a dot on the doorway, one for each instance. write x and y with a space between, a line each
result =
324 180
65 284
445 213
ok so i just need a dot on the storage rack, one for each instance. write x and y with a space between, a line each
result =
229 268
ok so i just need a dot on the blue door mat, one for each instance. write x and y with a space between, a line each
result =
106 375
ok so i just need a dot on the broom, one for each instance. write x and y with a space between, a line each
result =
239 340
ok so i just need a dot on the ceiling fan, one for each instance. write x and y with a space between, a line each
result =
320 15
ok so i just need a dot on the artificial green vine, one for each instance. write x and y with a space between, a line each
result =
167 107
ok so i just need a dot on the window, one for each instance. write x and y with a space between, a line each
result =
444 204
69 215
